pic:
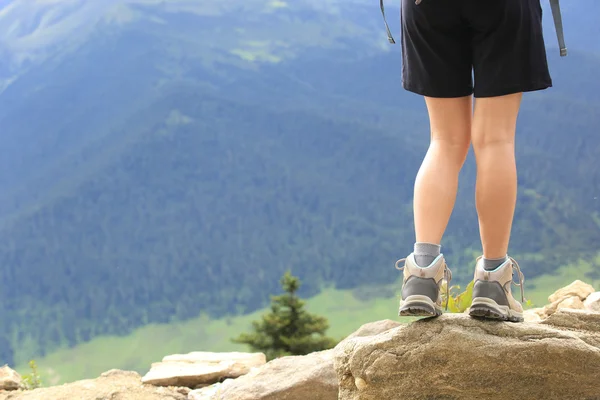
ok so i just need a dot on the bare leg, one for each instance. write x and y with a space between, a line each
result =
437 181
435 194
493 138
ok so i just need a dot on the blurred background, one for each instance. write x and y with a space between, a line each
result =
164 162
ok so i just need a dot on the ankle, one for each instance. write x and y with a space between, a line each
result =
490 264
426 253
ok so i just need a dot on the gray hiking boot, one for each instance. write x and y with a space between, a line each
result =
421 287
492 296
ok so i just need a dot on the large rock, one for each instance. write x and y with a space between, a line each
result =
113 385
455 357
577 288
310 377
9 379
592 302
201 368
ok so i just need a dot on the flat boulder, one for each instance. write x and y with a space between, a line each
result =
199 369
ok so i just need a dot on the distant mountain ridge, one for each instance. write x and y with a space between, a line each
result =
31 31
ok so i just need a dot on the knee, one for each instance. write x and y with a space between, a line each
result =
455 148
484 139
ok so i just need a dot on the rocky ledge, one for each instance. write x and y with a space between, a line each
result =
554 355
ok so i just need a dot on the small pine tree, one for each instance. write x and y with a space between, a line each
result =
288 329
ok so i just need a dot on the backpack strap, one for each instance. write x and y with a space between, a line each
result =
387 28
555 5
556 14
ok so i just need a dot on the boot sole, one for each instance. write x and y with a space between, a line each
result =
484 308
418 306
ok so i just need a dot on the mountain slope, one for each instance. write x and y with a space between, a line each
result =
122 36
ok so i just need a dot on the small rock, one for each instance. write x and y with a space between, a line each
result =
10 379
592 302
360 383
531 316
539 311
199 369
207 393
577 288
183 390
117 373
550 309
573 303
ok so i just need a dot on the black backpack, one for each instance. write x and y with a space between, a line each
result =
554 4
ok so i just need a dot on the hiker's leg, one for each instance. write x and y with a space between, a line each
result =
436 64
435 193
509 58
437 181
493 137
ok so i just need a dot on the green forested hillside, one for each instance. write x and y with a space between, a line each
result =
150 177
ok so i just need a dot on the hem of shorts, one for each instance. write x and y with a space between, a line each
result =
432 93
507 90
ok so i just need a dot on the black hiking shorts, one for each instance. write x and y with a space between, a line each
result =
447 43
